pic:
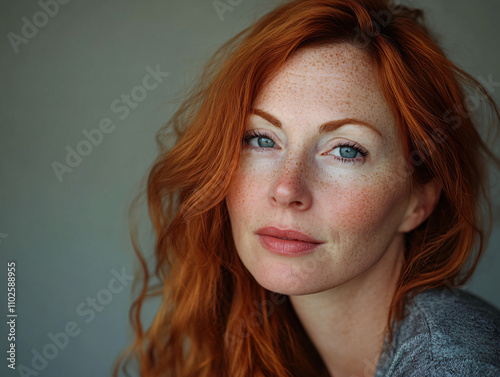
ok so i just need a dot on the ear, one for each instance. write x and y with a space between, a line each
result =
423 201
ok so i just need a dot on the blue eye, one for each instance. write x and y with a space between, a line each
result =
345 152
263 141
349 153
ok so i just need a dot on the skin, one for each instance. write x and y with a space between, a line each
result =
360 208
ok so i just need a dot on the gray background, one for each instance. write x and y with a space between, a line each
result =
68 237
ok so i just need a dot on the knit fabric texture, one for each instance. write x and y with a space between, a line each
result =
445 332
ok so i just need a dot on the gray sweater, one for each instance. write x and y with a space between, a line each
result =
447 332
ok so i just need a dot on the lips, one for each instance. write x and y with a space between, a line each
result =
287 234
287 242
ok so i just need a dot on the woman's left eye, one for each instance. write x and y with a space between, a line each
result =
349 153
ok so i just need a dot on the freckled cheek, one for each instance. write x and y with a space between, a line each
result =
245 192
361 208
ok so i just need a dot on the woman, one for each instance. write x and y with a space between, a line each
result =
331 240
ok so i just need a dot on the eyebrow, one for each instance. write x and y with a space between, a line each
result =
324 128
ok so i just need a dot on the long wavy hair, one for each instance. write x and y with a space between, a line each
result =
214 318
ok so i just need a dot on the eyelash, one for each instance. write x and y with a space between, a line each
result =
358 148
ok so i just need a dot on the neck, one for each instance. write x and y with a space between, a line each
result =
347 324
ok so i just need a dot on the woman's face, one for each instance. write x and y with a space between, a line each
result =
341 183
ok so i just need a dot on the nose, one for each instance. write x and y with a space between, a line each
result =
291 188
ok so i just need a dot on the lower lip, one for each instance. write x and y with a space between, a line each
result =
287 247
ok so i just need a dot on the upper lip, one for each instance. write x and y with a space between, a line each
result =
290 234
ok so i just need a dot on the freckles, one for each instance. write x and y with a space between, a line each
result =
239 190
247 191
361 205
353 211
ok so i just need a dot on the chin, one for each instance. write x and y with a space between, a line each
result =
287 280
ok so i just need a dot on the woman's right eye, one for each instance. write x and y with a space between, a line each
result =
257 140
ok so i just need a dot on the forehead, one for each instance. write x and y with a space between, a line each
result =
324 83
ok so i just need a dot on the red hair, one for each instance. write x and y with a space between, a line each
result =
205 325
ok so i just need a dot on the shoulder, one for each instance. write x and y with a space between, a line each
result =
457 322
446 332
